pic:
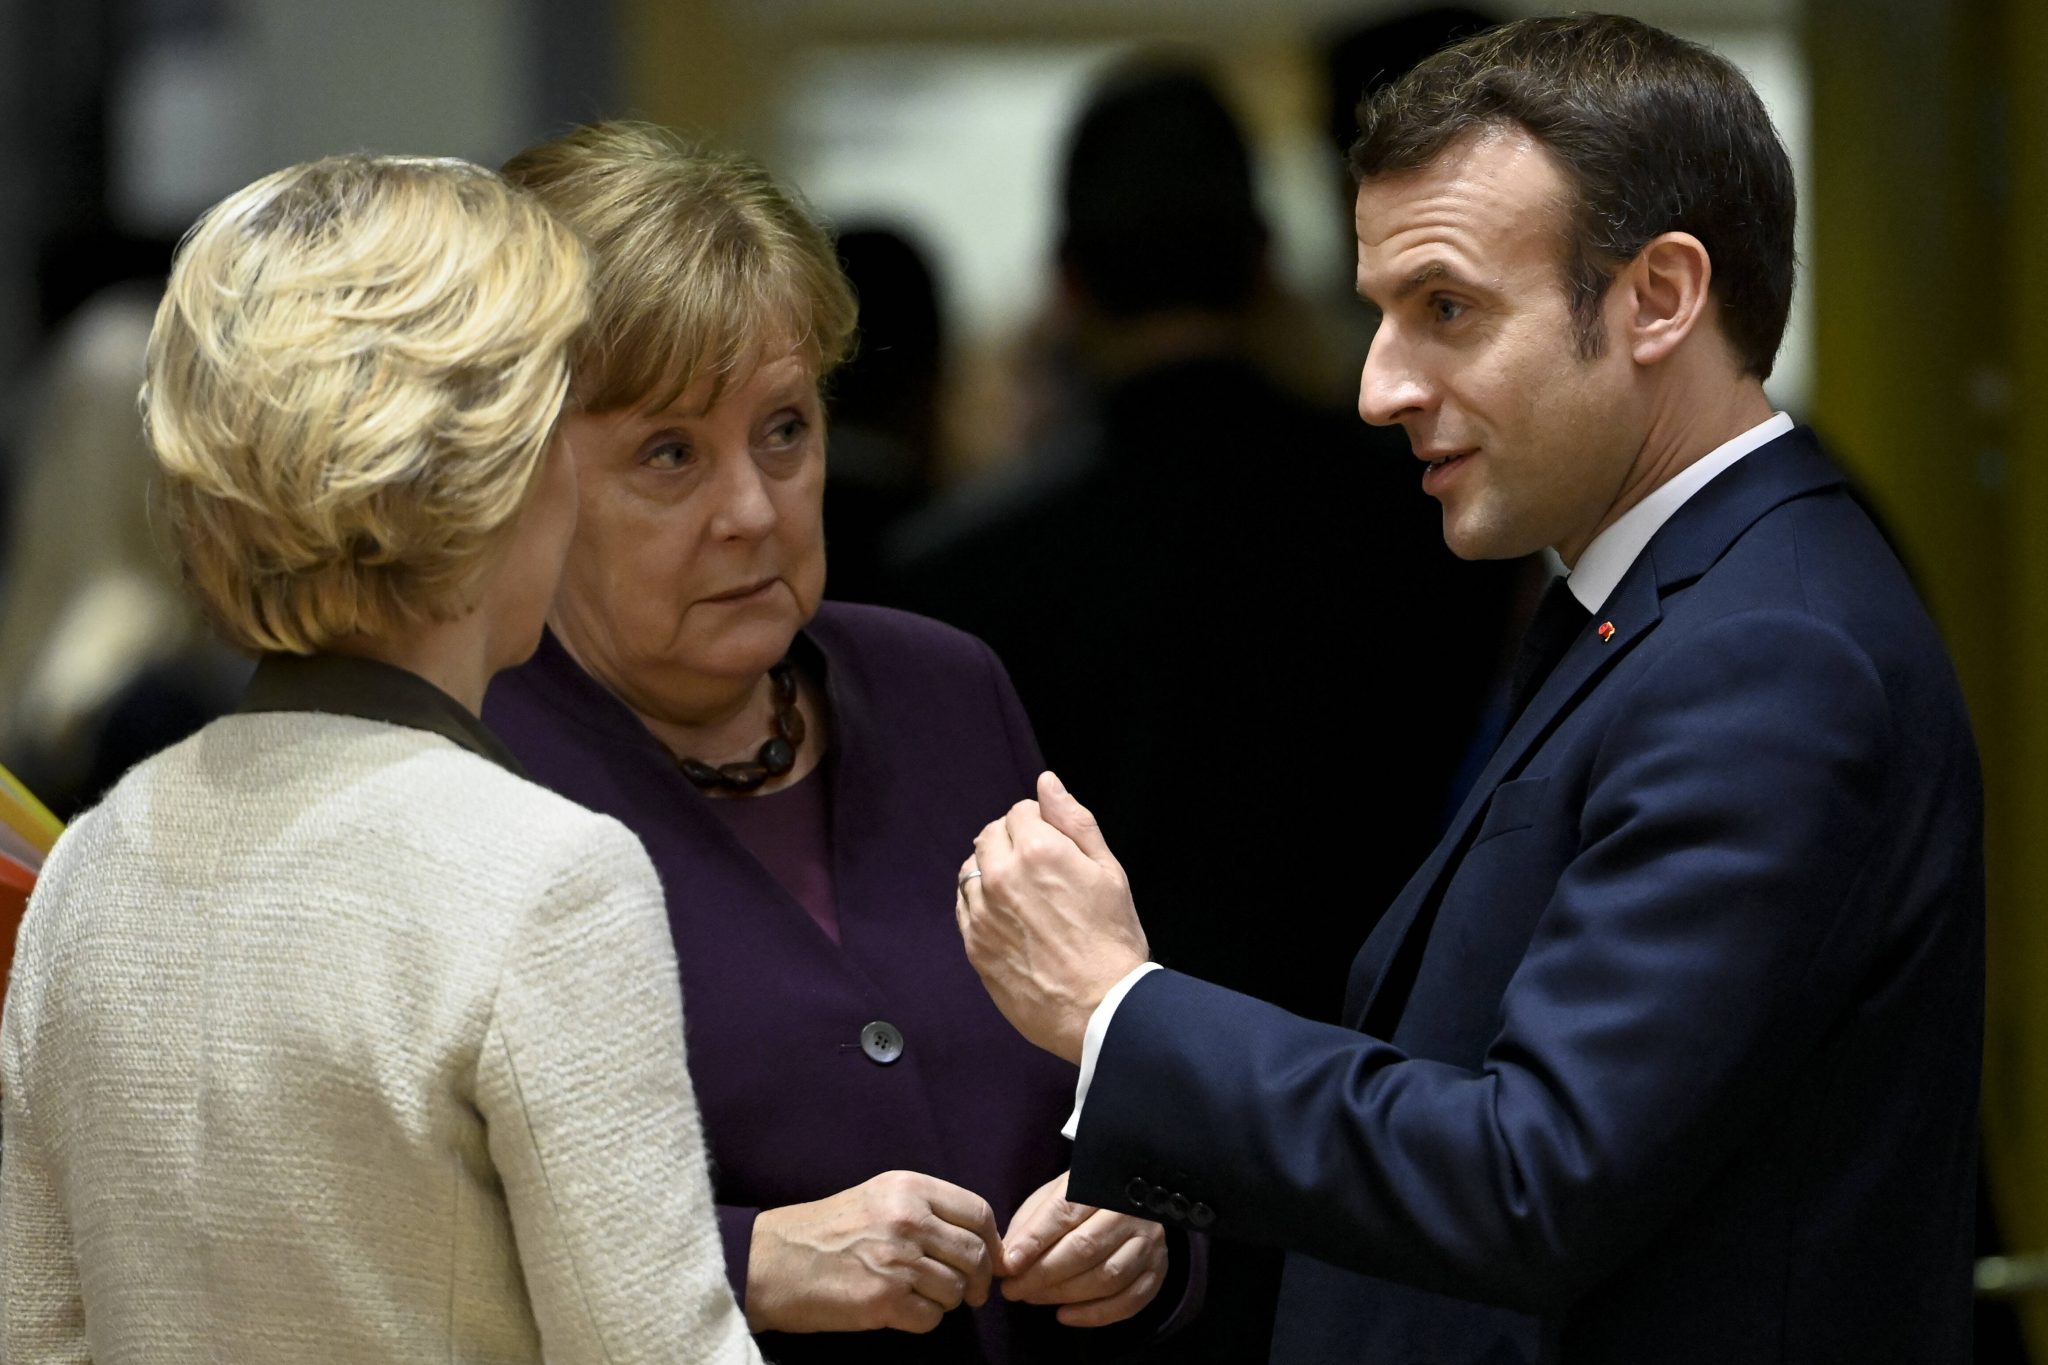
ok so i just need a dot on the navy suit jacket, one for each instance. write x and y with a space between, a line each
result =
928 744
1670 1051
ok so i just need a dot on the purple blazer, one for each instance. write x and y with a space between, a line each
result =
929 743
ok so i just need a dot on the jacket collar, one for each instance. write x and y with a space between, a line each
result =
368 689
1684 548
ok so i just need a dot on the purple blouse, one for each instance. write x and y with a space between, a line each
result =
789 832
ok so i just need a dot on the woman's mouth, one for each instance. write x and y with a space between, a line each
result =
745 591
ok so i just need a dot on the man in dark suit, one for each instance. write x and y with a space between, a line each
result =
1669 1052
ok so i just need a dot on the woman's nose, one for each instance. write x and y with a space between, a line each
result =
745 510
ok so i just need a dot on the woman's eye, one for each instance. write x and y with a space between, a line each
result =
666 455
788 431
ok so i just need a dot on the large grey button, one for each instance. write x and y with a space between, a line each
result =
1201 1216
882 1041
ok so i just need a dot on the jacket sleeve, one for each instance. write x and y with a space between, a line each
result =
42 1308
593 1125
1708 931
42 1304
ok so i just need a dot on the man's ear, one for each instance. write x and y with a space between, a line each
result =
1668 295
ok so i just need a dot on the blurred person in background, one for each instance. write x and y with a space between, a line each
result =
329 1035
885 407
883 1146
1167 612
104 659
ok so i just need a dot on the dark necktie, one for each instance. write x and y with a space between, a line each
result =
1559 619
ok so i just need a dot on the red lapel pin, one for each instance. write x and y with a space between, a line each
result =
1606 631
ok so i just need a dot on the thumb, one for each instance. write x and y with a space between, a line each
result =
1067 815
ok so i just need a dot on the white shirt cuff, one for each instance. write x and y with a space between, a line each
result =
1091 1041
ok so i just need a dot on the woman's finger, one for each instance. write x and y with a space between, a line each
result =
961 1234
943 1284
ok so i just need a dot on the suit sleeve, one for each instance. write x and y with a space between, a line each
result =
1704 936
593 1126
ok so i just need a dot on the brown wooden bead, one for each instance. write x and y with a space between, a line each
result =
789 724
776 756
701 773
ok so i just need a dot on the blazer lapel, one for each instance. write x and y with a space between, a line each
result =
1633 610
1684 548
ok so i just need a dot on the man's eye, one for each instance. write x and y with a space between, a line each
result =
1446 310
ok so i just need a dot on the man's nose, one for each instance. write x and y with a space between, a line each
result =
1391 387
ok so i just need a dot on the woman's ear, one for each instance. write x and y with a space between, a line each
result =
1668 283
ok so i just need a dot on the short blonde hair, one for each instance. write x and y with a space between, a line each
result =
353 377
702 261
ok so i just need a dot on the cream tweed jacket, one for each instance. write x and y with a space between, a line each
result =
330 1041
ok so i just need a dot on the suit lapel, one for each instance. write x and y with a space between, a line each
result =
1683 549
1632 609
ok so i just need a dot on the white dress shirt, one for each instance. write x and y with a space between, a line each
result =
1615 550
1593 580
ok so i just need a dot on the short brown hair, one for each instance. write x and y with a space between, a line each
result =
1654 134
702 259
351 384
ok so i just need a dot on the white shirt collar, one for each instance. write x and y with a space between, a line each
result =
1615 549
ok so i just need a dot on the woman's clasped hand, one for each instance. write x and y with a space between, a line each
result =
901 1250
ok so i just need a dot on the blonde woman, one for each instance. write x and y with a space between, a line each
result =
330 1036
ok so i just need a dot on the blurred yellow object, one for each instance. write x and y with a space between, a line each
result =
26 816
27 833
